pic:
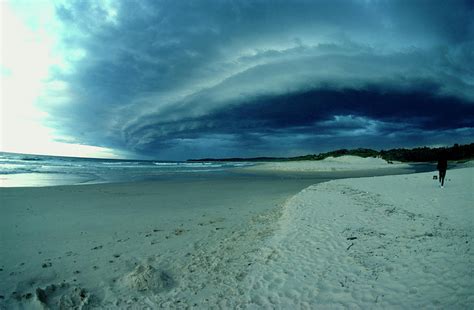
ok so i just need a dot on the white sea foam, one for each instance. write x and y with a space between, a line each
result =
14 167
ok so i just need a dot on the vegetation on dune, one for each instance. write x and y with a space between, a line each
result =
422 154
426 154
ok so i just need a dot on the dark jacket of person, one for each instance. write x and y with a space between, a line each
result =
442 164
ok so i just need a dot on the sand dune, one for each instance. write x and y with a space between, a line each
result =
342 163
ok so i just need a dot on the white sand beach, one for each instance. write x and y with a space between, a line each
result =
397 242
377 242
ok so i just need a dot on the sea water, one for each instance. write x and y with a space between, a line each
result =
41 170
19 170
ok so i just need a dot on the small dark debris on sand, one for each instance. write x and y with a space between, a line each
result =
77 272
179 231
351 238
97 247
116 255
46 265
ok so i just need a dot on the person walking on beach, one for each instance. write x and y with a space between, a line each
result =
442 167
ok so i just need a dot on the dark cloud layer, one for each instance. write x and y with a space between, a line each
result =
180 79
321 114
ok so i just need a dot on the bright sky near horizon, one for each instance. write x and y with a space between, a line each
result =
29 50
177 79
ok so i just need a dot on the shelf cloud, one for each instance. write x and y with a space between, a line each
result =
182 79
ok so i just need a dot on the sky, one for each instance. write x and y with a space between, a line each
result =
190 79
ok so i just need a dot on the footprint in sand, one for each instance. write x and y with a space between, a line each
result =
62 296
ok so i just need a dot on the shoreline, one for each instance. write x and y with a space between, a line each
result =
261 170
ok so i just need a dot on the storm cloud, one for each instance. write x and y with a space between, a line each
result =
181 79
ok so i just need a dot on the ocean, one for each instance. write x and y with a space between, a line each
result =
18 170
